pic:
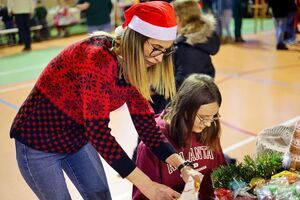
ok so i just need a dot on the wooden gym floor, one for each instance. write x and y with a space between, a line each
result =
260 88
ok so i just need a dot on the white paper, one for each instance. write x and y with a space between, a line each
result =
189 192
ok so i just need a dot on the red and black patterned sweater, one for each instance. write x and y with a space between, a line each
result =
70 104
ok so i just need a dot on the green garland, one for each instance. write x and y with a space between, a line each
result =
268 164
224 174
263 166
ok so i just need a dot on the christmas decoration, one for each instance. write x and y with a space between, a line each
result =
256 181
224 174
248 169
243 177
223 194
268 164
278 188
264 166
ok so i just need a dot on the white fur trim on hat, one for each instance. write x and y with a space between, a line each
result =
152 31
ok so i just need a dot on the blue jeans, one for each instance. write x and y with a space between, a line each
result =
103 27
290 29
43 172
280 27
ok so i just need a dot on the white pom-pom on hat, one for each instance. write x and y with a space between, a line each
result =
119 30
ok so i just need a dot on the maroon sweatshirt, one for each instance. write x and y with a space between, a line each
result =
204 160
70 104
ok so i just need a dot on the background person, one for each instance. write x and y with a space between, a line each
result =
238 9
196 42
97 14
22 10
40 13
8 23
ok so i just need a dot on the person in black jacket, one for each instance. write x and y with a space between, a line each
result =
196 42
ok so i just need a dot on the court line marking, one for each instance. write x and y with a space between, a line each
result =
238 128
239 144
9 104
25 69
260 80
230 76
253 71
17 87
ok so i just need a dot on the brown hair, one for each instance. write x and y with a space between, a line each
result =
195 91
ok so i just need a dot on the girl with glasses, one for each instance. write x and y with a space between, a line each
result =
191 123
63 123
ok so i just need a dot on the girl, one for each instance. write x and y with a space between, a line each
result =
191 123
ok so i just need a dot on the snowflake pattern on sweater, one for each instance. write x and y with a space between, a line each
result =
70 104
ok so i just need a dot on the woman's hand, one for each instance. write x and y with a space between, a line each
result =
189 171
156 191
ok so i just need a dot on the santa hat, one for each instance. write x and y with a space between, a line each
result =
154 19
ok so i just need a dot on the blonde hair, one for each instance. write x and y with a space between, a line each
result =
130 48
189 14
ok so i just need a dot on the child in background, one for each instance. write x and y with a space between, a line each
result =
197 41
191 123
61 20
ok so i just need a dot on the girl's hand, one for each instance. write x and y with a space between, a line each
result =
189 171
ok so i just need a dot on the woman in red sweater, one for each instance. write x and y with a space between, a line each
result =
64 121
191 123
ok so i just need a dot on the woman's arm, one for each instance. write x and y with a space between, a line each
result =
149 132
148 163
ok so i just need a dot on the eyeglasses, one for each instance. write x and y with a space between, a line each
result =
208 120
156 52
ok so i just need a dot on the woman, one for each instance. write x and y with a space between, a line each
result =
196 43
191 123
66 114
